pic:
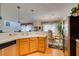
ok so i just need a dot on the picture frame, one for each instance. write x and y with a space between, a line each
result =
7 23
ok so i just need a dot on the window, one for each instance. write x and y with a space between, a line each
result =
29 28
26 28
23 28
51 27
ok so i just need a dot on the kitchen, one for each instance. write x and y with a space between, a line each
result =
32 29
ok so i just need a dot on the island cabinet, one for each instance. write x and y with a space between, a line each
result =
77 48
26 46
9 51
41 44
33 44
0 52
22 46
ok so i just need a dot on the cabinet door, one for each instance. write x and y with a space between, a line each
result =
77 48
24 46
77 51
0 52
41 44
33 44
9 51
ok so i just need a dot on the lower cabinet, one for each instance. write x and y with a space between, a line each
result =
0 52
77 53
9 51
24 46
77 49
29 45
33 44
41 44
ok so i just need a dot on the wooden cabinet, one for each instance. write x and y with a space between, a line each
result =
9 51
41 44
24 46
33 44
77 48
0 52
29 45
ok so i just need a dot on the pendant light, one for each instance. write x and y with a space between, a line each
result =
32 15
0 12
18 7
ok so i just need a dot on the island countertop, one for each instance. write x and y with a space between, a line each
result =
9 38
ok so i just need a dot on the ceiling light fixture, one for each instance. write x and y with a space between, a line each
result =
0 12
32 15
18 7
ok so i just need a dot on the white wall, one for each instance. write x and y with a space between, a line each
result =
14 26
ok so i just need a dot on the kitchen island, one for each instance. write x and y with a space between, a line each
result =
25 44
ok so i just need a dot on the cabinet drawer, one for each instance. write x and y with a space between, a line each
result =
31 41
24 40
24 43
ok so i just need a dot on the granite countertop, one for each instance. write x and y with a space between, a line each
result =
15 37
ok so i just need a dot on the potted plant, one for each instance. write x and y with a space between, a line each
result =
73 11
77 11
59 29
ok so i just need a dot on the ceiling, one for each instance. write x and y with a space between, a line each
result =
42 11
